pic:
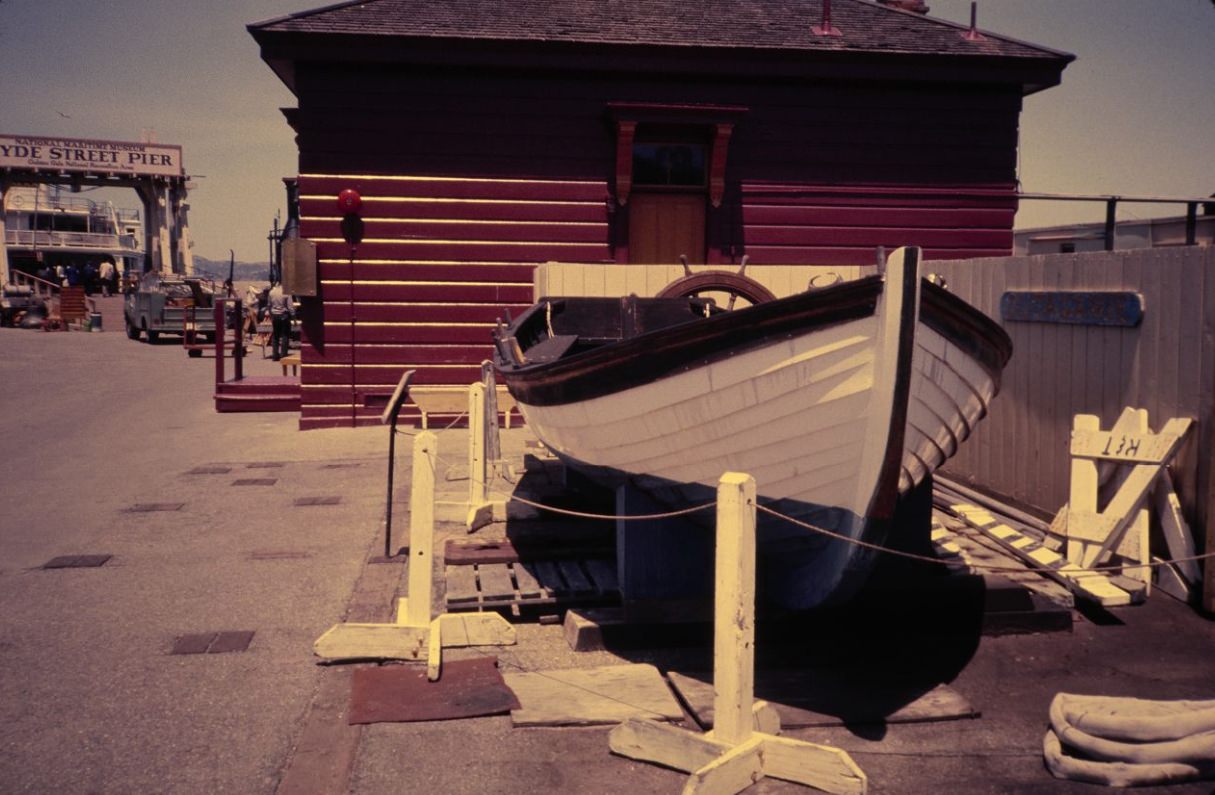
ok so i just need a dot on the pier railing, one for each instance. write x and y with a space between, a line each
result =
77 241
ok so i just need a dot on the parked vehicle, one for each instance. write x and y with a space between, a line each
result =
160 304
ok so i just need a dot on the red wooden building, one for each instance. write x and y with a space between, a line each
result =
486 137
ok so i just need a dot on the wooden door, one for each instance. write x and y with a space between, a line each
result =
664 225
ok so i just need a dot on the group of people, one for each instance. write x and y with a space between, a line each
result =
94 277
270 302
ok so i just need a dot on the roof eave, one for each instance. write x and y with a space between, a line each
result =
283 49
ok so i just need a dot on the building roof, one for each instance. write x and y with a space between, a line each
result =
786 25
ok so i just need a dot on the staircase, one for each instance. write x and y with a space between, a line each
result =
73 310
258 393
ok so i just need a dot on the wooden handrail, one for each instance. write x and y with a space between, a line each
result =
44 288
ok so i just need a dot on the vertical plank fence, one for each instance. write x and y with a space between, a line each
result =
1165 365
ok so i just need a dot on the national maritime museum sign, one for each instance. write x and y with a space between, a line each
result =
78 154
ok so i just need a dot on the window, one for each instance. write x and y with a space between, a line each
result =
669 165
672 146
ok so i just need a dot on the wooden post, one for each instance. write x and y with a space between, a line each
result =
221 307
418 633
734 614
422 529
737 752
476 444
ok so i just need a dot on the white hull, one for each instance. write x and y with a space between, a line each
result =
793 415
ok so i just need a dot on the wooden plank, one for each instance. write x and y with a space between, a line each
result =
491 550
1093 586
665 745
548 576
1175 529
591 696
819 766
461 585
577 580
733 771
1143 448
603 572
372 642
825 697
822 767
496 585
476 629
1084 484
529 586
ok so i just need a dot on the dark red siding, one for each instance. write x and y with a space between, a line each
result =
470 179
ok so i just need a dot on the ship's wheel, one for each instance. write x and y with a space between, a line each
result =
717 285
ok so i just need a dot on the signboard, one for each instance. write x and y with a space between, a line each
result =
79 154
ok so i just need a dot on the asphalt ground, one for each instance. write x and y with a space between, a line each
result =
93 701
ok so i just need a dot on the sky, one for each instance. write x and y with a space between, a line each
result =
1134 115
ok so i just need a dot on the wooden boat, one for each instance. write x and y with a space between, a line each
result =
836 400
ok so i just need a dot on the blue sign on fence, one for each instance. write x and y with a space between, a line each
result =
1078 307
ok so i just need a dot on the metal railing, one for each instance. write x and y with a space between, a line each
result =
87 241
1111 209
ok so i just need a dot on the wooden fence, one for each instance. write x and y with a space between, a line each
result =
1165 365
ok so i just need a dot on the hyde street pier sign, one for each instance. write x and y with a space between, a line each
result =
98 157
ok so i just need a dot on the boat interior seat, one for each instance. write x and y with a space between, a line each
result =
551 349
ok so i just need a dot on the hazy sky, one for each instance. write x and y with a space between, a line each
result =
1135 114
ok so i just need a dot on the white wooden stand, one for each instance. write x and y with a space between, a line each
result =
1136 461
743 747
417 633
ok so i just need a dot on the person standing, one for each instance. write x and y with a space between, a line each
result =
106 274
281 310
251 311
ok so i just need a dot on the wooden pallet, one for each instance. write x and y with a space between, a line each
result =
521 585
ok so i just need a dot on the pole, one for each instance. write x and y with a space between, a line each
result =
734 614
422 528
477 467
391 412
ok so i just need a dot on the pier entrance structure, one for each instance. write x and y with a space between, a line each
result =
154 171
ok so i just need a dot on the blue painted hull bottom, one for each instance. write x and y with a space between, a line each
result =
796 568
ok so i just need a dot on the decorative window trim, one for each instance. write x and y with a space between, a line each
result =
719 118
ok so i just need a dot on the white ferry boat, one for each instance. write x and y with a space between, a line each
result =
47 227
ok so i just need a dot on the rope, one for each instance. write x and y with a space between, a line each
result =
841 537
977 566
620 517
898 553
444 429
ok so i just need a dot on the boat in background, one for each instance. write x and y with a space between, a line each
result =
835 400
46 226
